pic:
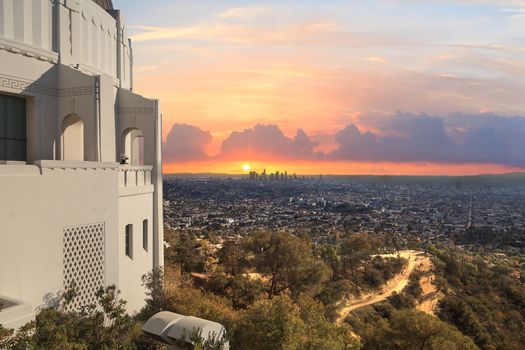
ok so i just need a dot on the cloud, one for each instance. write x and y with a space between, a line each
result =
242 12
483 138
460 138
186 143
142 69
376 59
320 32
266 142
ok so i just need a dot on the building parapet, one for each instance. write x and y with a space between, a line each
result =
135 176
61 164
15 313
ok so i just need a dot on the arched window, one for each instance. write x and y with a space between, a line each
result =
72 138
133 146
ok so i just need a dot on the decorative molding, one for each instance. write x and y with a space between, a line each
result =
24 85
28 86
28 50
76 165
76 91
134 110
135 167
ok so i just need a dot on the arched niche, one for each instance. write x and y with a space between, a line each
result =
133 146
72 138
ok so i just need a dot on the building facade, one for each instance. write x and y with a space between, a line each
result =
80 158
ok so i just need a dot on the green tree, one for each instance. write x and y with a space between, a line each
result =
269 325
103 325
241 290
321 333
288 263
328 253
279 324
183 253
415 330
355 251
458 312
232 257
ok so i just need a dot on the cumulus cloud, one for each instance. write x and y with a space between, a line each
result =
267 142
404 137
401 137
186 143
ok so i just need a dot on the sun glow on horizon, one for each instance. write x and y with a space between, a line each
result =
340 168
246 167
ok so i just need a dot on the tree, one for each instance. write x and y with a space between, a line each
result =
241 290
156 301
328 253
415 330
278 323
231 256
457 312
183 253
401 300
321 333
268 325
288 263
332 294
354 251
103 325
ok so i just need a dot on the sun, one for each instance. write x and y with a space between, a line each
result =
246 167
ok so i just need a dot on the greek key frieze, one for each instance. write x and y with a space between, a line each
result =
134 110
23 85
76 91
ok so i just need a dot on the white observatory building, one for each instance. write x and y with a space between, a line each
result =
80 158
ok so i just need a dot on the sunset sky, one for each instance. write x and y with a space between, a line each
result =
335 87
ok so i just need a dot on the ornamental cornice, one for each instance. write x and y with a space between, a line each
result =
24 85
28 50
134 110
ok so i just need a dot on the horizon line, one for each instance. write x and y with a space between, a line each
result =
355 175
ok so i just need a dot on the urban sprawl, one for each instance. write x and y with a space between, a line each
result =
324 206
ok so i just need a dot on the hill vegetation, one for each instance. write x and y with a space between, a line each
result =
276 290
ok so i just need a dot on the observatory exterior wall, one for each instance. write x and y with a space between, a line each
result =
69 186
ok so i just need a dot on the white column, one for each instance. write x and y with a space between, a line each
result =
6 18
158 201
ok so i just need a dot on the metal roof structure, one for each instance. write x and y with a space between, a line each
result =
170 328
105 4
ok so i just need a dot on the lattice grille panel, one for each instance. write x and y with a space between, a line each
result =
84 261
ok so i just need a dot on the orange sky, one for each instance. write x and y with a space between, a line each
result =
228 66
340 168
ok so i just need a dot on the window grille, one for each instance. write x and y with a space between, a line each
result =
84 262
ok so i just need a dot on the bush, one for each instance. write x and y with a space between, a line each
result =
103 325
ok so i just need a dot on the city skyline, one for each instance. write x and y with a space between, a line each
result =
386 87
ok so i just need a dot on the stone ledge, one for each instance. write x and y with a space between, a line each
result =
15 313
67 164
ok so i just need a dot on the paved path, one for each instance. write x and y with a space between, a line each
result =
396 284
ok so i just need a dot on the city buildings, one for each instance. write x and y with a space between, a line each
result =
326 209
80 158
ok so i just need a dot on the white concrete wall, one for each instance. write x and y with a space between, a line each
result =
143 114
35 207
133 209
28 21
83 35
63 57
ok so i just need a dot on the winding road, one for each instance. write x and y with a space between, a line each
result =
396 284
